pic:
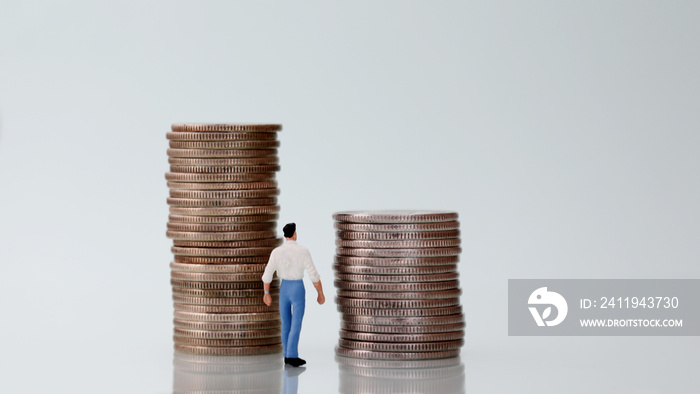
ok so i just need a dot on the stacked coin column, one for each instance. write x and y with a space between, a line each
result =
223 219
397 284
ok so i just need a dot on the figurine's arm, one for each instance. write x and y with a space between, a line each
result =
267 298
319 289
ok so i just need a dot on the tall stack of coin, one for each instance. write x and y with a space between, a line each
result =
397 284
223 219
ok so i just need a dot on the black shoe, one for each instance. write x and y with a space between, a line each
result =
296 362
286 360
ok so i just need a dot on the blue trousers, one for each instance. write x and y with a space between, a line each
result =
292 305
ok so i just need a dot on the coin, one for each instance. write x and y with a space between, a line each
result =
407 244
391 338
249 144
188 284
249 334
369 270
225 195
365 286
403 321
226 127
229 244
200 186
235 326
400 295
221 236
395 355
428 252
239 219
244 293
216 202
225 211
396 304
207 277
221 268
222 252
240 161
221 260
398 364
396 329
227 317
212 301
221 153
397 227
394 236
396 261
203 136
395 216
229 351
225 309
212 178
224 169
397 278
401 347
450 310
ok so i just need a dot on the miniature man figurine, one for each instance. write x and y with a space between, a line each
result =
290 260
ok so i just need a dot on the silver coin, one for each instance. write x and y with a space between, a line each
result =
397 227
251 243
400 295
397 338
227 127
403 321
397 278
218 136
220 202
376 355
224 162
227 317
226 211
396 304
427 252
250 144
234 326
220 153
369 270
221 236
221 260
188 284
395 216
225 195
396 329
398 364
222 252
225 169
203 229
225 309
229 351
403 244
238 219
401 347
213 301
205 334
243 293
396 261
396 235
222 186
217 277
450 310
219 268
214 178
388 287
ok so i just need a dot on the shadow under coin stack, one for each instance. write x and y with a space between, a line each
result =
397 284
223 220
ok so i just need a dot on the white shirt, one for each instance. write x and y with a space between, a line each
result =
290 260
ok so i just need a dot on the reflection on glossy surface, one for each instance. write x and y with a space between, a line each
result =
291 379
219 374
378 376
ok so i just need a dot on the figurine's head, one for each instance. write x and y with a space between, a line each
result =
290 230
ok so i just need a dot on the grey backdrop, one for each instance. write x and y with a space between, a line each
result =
564 133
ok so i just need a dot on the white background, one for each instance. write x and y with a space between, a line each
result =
564 133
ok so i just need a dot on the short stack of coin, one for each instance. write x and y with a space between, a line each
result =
397 284
223 220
